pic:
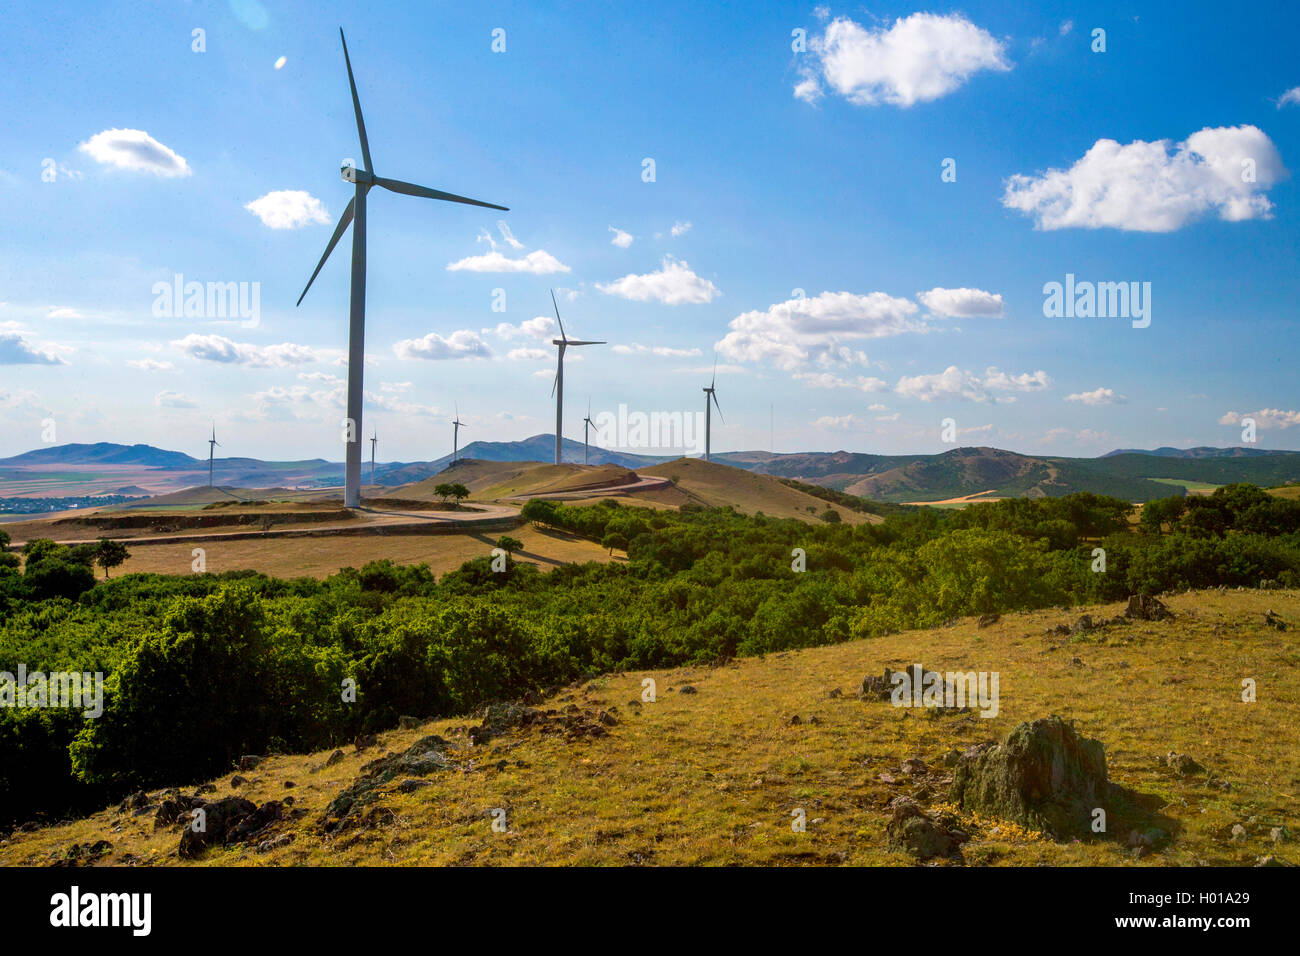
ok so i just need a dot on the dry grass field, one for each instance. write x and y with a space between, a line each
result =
713 777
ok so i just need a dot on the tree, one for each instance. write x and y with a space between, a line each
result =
4 541
509 545
451 490
614 540
831 516
110 554
459 492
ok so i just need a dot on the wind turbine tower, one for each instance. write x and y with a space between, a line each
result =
457 425
562 343
212 443
710 393
586 424
374 437
362 180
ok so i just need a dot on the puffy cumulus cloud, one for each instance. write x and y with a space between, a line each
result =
136 150
288 209
673 284
218 348
961 303
16 350
539 327
1098 396
527 355
862 383
1155 187
917 59
796 332
150 365
170 399
954 383
1264 418
459 345
664 351
537 262
621 239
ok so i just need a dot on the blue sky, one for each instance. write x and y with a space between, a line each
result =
1167 159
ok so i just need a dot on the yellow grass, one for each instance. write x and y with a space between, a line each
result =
713 777
289 557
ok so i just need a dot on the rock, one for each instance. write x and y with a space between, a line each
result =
606 718
205 788
835 694
176 810
1083 625
334 758
1043 776
408 723
687 689
1144 607
1277 834
266 846
1273 619
914 766
1182 764
988 620
425 756
220 819
365 742
236 782
1238 832
912 829
1270 860
289 785
249 762
795 721
814 719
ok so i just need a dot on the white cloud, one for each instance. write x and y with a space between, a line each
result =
288 209
1151 187
459 345
1067 28
796 332
15 350
537 262
150 365
961 303
527 355
1264 418
64 313
217 348
169 399
621 239
862 383
958 384
680 229
637 348
1098 396
840 423
673 284
919 58
540 327
135 150
1290 98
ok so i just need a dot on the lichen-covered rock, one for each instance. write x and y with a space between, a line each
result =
1043 776
912 829
1144 607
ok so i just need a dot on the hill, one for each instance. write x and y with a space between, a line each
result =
104 453
715 776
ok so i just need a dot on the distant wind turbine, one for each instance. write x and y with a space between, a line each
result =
212 443
563 342
374 437
457 425
363 179
586 424
710 393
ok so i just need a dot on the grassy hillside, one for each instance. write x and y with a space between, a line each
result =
718 485
712 777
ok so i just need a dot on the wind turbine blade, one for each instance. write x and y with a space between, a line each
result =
411 189
717 406
356 105
557 315
715 372
578 342
555 383
344 221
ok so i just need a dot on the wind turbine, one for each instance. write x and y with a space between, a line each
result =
563 342
586 424
374 437
362 180
457 425
212 443
710 393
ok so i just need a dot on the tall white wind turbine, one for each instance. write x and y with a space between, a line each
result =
562 343
457 425
212 443
710 393
362 180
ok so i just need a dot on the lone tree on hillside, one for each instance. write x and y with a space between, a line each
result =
614 540
451 490
509 545
110 554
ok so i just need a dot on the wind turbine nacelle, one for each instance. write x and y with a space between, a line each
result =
353 175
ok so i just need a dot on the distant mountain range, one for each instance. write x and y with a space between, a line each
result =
1132 474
